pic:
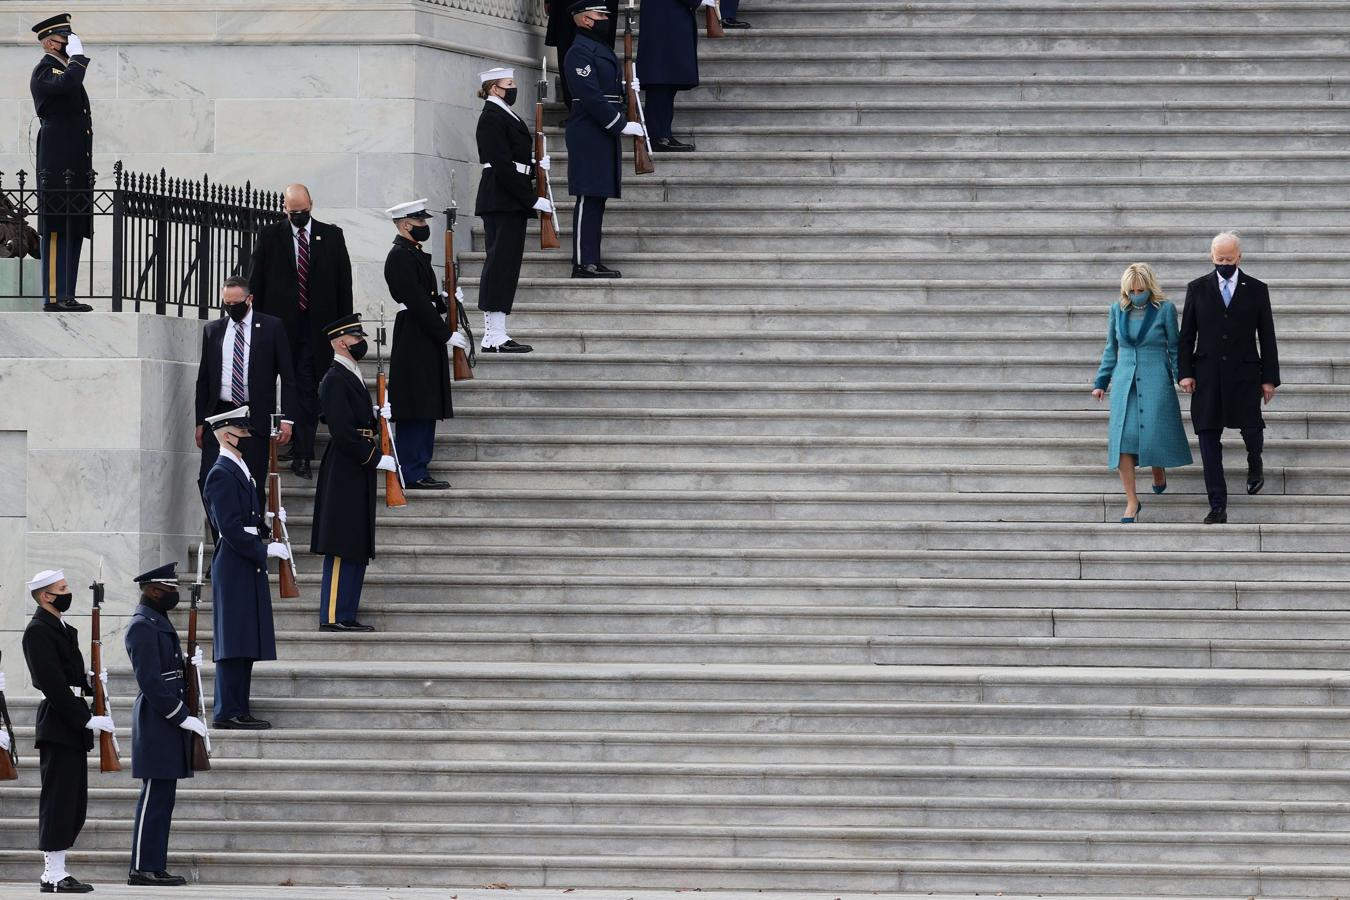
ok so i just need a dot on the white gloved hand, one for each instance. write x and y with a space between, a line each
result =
4 741
708 3
386 464
2 682
102 676
75 46
100 723
546 163
633 129
193 724
459 294
544 205
197 658
637 83
459 340
278 550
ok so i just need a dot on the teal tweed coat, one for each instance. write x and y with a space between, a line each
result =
1143 369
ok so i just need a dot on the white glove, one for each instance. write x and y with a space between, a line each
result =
278 550
281 514
4 741
197 658
102 676
100 723
2 682
544 205
193 724
386 464
75 46
384 412
637 83
546 163
633 129
459 340
459 294
707 3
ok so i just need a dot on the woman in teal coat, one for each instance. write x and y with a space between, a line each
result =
1141 357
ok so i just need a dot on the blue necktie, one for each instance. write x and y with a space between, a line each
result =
1227 294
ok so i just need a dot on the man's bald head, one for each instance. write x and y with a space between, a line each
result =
297 198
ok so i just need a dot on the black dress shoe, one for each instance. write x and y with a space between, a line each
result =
301 468
735 23
67 885
1217 516
1256 479
155 879
508 347
67 305
241 723
670 145
593 271
427 484
346 626
607 270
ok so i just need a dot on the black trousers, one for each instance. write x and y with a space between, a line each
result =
588 224
64 798
60 264
154 818
234 683
659 107
255 455
1211 454
504 241
306 416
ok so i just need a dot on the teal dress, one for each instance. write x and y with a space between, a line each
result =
1141 360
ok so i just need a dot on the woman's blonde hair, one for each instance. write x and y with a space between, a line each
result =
1141 273
485 89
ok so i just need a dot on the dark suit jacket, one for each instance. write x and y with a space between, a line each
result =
272 280
1218 348
55 663
503 141
269 360
344 497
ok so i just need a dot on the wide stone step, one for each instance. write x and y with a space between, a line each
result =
960 16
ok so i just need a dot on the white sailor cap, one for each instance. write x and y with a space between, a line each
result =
45 578
237 418
414 209
495 75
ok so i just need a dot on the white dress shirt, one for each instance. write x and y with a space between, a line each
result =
227 355
295 240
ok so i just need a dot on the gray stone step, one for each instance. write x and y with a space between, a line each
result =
955 15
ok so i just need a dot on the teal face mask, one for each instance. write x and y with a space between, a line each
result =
1140 298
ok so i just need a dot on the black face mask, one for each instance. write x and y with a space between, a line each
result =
236 311
164 603
601 31
62 602
511 94
1226 271
358 350
300 219
420 233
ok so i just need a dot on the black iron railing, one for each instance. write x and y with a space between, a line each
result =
174 241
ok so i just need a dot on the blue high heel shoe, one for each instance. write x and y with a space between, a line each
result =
1160 488
1129 520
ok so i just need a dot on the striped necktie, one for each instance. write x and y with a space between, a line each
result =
238 391
302 268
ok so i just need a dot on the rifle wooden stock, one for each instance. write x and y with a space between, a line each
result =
642 154
9 762
285 568
712 21
462 370
548 227
393 488
108 760
201 758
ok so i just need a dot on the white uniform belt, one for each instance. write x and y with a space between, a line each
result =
522 168
250 529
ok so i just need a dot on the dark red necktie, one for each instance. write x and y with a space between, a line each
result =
302 268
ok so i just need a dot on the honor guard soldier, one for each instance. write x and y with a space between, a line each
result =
344 497
161 728
596 122
667 63
241 600
561 32
419 363
506 203
65 728
65 160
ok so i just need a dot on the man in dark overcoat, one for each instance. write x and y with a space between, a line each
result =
562 32
597 119
419 364
667 63
162 725
241 599
64 160
302 274
1227 313
65 727
344 497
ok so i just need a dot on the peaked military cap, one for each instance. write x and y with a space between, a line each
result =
414 209
55 25
165 574
346 325
581 6
234 418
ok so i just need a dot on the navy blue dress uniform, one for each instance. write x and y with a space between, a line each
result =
667 63
419 363
561 32
161 748
1218 348
344 499
597 117
241 599
65 156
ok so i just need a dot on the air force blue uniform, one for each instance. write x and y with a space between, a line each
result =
594 154
161 750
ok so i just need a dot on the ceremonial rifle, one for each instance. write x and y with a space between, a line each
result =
201 745
463 363
9 762
393 481
712 20
109 755
642 154
548 226
285 567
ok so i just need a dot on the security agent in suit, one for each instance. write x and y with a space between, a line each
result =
419 363
241 600
506 203
302 274
1227 312
243 357
344 497
596 122
65 144
667 63
562 33
161 727
65 727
